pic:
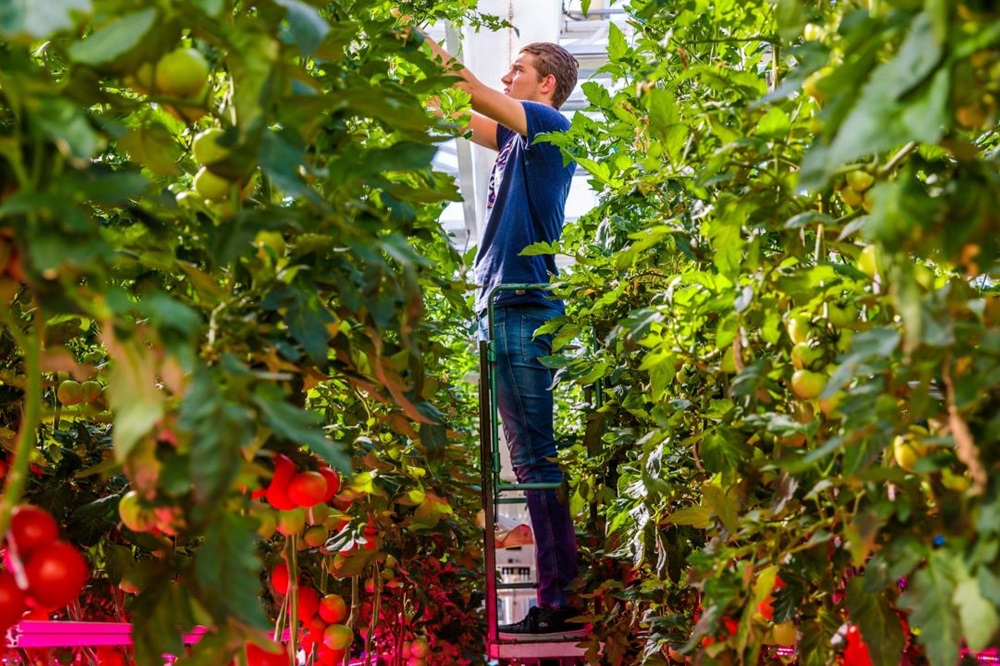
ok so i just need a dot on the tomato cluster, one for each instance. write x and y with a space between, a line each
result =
41 572
290 488
321 617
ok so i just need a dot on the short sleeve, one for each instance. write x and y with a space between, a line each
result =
543 118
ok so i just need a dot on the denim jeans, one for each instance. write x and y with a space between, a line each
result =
525 403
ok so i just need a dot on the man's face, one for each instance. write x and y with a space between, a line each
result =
522 81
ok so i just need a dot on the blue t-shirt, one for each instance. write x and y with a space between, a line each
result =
526 204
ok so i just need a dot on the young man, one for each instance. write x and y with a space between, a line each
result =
525 205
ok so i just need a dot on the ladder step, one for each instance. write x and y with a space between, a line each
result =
538 649
508 487
517 586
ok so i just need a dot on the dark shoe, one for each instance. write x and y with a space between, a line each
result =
544 623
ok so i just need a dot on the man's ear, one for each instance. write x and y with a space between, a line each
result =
548 85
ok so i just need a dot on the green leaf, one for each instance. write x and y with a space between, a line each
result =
161 615
929 598
228 571
307 27
725 507
774 125
617 46
302 427
110 41
723 451
218 432
29 20
67 126
696 516
905 100
791 17
880 627
134 396
305 316
980 621
154 147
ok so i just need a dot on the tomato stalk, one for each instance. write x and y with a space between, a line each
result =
17 477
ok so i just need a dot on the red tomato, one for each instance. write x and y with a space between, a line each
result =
258 656
328 656
308 603
332 482
12 602
56 574
856 652
307 489
110 655
280 578
277 490
766 607
32 528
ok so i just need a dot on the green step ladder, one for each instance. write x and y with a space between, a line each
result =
495 492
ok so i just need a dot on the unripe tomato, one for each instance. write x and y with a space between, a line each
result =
56 574
868 261
292 521
807 384
32 528
210 185
133 515
206 148
182 72
307 489
799 328
12 602
90 391
69 392
338 637
333 608
419 648
859 180
315 536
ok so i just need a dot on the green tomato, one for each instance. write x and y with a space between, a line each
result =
211 186
206 148
807 384
182 72
799 328
868 261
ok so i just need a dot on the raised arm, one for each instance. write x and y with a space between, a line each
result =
489 106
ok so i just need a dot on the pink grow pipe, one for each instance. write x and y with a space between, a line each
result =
34 634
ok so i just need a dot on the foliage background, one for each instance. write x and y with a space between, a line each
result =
324 316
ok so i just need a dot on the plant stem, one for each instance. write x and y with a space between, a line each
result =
31 343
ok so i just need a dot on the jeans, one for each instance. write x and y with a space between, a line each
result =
524 400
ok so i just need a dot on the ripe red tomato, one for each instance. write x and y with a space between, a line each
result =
32 528
280 578
277 490
332 482
12 602
856 652
110 655
308 603
258 656
328 656
56 574
307 489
